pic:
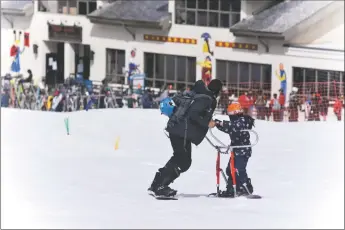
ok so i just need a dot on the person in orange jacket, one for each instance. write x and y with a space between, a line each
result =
337 108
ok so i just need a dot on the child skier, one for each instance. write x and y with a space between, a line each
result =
238 121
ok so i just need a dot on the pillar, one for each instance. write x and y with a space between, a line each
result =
69 59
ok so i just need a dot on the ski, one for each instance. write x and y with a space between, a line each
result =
250 196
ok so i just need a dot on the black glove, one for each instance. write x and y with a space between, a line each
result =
217 121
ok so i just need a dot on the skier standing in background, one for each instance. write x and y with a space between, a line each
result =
238 121
276 108
147 99
260 104
188 124
324 107
314 114
293 105
281 99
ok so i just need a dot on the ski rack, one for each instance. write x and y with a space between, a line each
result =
227 148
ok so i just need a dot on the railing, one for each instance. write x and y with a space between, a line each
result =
118 95
328 92
331 89
240 88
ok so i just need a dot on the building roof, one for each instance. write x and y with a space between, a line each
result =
278 19
16 7
132 12
327 46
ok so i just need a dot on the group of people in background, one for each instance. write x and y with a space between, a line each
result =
253 102
314 106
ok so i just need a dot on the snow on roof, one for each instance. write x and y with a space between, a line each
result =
281 17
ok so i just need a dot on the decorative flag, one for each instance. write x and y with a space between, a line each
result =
26 39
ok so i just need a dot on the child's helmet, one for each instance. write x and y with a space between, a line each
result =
234 108
167 106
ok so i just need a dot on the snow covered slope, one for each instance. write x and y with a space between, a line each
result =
51 180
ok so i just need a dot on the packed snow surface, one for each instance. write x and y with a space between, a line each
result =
53 180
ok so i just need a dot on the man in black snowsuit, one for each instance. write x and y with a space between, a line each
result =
188 124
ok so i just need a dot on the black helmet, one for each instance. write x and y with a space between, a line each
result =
215 86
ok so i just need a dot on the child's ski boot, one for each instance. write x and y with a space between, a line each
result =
245 189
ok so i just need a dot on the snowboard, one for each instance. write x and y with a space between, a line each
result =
253 196
164 197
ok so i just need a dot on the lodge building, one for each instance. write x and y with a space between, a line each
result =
247 44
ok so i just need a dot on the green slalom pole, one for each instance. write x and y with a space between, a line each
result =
67 125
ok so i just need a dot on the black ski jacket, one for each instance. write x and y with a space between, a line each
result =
194 126
238 137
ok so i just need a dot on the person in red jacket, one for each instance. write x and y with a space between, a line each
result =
337 108
244 102
281 100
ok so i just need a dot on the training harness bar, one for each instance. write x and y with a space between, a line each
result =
224 149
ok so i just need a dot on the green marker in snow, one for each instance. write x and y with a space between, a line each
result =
67 125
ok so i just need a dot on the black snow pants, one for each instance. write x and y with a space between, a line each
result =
182 155
241 168
179 162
